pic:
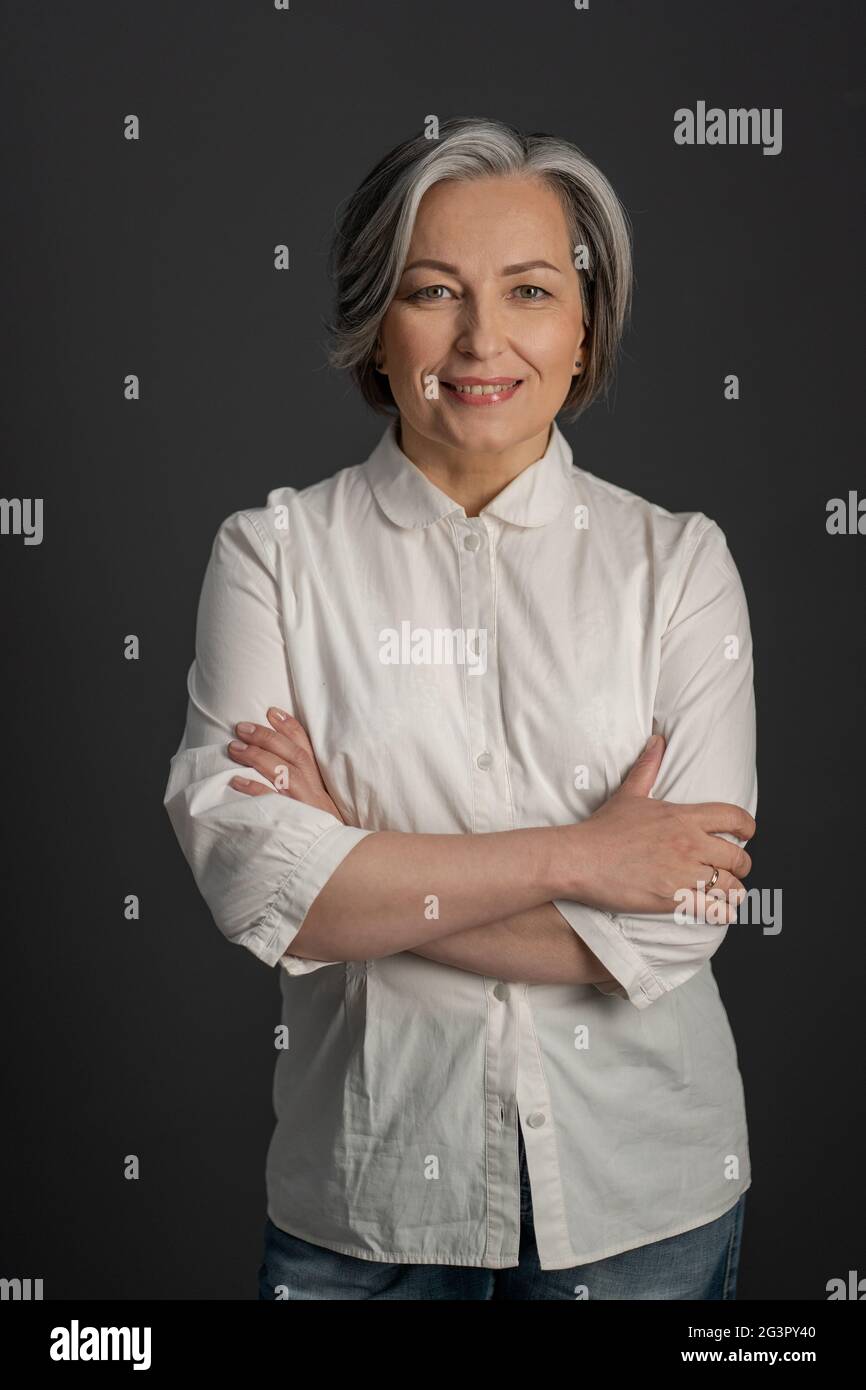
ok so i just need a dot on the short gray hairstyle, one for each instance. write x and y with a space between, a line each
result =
374 229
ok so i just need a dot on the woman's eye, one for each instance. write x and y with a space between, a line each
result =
424 292
534 287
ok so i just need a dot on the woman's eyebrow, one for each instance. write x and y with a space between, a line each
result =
508 270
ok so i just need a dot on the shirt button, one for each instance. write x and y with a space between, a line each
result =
501 991
472 541
484 761
535 1120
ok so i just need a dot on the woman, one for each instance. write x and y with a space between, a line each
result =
417 766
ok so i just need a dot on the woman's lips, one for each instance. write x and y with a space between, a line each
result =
472 398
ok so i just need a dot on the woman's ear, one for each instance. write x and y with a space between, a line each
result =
581 355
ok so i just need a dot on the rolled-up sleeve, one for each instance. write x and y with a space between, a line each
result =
705 708
259 861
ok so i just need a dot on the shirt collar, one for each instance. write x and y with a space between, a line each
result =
535 497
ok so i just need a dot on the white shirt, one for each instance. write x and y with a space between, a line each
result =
607 618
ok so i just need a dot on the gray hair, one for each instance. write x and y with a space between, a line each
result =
374 230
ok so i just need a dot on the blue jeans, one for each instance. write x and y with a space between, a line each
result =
699 1264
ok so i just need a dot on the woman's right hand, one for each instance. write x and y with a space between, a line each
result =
282 752
634 853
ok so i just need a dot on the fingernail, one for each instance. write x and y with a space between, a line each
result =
650 742
236 746
240 782
245 728
278 713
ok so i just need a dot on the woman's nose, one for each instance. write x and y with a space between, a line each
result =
481 332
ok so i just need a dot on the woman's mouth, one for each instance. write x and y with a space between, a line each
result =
475 392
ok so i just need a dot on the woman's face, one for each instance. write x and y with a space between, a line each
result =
502 301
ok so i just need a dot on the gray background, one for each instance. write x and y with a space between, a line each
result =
155 1037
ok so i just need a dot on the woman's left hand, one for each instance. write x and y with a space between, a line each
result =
282 753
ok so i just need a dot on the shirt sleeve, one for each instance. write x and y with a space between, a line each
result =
259 861
705 708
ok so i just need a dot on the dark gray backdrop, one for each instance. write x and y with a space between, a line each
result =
155 1037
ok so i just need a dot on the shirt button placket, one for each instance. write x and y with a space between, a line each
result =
503 1191
490 806
490 811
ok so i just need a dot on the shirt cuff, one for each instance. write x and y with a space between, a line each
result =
636 981
300 965
296 894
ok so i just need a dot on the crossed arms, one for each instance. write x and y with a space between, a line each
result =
288 879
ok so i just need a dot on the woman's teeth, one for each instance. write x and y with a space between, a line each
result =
483 390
